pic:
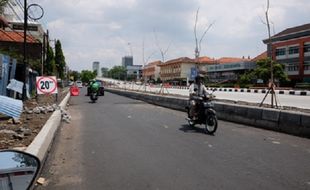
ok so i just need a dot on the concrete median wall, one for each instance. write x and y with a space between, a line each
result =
295 123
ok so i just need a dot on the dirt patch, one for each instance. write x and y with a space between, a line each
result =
21 133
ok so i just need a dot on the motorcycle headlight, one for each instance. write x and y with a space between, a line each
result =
208 104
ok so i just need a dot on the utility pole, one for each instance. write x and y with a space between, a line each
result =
24 95
44 54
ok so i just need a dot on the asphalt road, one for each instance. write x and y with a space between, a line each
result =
120 143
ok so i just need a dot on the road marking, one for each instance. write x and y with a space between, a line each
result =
129 116
210 146
165 126
276 142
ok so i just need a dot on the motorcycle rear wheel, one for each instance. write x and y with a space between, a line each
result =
211 124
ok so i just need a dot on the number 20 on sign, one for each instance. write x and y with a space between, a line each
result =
46 85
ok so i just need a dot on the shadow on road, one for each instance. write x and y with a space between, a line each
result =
129 103
188 129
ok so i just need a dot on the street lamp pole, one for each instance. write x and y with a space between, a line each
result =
24 95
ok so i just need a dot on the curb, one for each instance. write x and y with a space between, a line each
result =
286 92
42 142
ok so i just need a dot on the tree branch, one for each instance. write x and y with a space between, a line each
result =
205 32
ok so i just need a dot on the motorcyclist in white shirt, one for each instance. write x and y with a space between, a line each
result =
196 89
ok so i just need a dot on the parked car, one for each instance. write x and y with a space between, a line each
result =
79 84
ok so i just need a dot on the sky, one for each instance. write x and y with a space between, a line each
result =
107 30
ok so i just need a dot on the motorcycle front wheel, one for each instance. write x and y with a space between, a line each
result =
211 124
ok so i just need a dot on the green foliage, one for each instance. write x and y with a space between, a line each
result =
158 80
87 75
118 72
50 67
247 77
263 71
75 75
59 60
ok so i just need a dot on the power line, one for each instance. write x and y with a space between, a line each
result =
20 6
20 19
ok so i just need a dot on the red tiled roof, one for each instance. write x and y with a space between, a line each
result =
231 60
260 56
13 36
154 63
293 30
181 59
206 60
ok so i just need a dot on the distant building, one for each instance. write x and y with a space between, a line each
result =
134 72
151 71
291 48
127 61
104 72
229 69
179 71
96 66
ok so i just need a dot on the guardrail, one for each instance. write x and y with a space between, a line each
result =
295 123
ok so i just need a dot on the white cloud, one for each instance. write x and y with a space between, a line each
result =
101 29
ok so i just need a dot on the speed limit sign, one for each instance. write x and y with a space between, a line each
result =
46 85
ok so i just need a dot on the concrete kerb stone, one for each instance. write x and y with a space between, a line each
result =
305 123
42 142
270 114
290 122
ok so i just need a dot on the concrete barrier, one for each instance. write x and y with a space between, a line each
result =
295 123
42 142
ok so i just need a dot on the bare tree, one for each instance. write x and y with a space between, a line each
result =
271 85
198 42
162 51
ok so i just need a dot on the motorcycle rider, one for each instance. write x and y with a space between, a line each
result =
196 89
94 86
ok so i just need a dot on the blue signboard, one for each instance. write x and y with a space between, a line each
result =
4 75
193 73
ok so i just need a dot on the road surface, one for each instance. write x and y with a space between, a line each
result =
120 143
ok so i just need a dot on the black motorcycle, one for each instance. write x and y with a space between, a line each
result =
93 96
206 113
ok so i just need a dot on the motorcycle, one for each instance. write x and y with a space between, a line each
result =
93 97
18 170
206 113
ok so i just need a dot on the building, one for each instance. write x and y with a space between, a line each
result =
291 47
151 71
96 67
180 71
229 69
134 72
104 72
33 28
127 61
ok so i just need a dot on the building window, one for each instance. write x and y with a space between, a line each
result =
292 67
307 65
293 50
307 48
280 51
